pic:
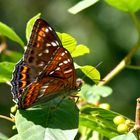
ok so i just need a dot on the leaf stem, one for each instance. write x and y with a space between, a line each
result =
136 22
133 67
121 65
127 59
7 118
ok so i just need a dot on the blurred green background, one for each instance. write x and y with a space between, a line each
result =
109 34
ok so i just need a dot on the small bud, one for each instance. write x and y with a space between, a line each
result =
127 122
119 120
13 108
13 127
122 128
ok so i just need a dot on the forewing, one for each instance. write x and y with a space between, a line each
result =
41 48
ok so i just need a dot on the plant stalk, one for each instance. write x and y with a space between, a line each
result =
127 59
7 118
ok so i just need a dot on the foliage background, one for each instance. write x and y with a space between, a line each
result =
107 32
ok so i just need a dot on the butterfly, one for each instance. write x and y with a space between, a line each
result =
45 71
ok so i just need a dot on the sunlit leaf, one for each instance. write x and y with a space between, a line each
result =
8 32
80 50
30 24
100 120
6 69
92 94
88 95
88 134
49 121
125 5
128 136
83 4
103 91
3 137
91 72
15 137
68 41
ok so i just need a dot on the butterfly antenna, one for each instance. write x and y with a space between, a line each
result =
98 64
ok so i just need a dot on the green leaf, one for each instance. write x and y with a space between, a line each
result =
83 4
6 69
30 24
90 72
59 121
15 137
128 136
8 32
68 41
100 120
3 137
92 94
103 91
80 50
88 95
131 6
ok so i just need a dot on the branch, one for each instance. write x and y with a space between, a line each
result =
133 67
121 65
7 118
127 59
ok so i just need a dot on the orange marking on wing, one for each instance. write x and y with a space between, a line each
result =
27 100
41 33
32 95
38 45
23 84
23 77
25 68
43 29
39 38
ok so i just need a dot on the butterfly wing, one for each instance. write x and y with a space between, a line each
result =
57 79
41 48
45 70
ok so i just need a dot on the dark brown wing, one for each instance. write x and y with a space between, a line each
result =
58 79
42 47
45 64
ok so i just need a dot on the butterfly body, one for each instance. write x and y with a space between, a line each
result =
46 70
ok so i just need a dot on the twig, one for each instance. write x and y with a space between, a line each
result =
7 118
133 67
127 59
